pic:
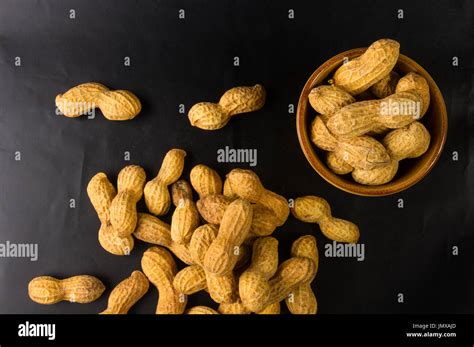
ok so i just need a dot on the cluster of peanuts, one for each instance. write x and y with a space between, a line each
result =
368 117
224 239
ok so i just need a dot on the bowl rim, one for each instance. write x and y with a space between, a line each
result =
324 171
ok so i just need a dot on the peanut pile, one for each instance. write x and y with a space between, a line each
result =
368 117
224 238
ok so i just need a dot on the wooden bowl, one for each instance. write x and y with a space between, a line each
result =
411 171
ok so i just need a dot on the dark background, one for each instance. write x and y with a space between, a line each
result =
176 62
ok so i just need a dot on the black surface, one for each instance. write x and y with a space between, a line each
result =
176 62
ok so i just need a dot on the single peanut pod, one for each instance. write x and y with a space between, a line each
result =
291 273
190 280
359 118
376 62
201 310
302 300
152 230
181 190
227 190
409 142
212 207
118 105
101 193
337 164
271 309
246 185
313 209
211 116
80 100
243 99
414 82
160 268
376 176
327 100
386 86
205 181
48 290
113 243
123 210
201 240
222 288
220 258
233 308
127 293
157 196
264 221
361 152
184 221
254 288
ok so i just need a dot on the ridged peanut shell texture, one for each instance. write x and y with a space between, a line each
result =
362 152
246 185
185 219
394 111
127 293
361 73
160 268
386 86
157 196
81 289
408 142
313 209
210 116
414 82
327 100
201 310
117 105
123 210
205 180
302 299
181 190
220 258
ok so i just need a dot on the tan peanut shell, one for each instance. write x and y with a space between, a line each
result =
394 111
184 221
337 164
386 86
201 240
271 309
375 63
210 116
327 100
157 196
112 242
152 230
222 288
246 185
205 180
123 210
127 293
290 275
212 208
220 258
101 192
48 290
302 299
181 190
254 288
233 308
190 280
160 268
376 176
116 105
408 142
414 82
313 209
361 152
201 310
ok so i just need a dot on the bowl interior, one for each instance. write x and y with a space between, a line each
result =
411 170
